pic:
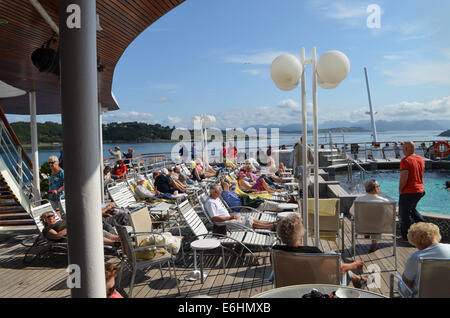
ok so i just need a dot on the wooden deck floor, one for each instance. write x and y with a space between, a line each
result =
46 277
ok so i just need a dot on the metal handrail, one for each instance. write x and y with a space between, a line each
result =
12 155
352 162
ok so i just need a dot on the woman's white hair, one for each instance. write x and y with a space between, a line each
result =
53 159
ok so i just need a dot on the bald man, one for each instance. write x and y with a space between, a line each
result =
411 190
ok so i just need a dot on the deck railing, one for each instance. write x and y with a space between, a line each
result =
12 154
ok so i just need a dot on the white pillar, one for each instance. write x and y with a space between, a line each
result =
100 135
304 145
316 149
79 101
34 147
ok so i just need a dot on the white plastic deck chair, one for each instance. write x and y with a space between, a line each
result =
41 240
375 218
433 281
243 238
257 214
232 226
121 194
292 268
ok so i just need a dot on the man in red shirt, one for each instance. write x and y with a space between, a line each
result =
411 190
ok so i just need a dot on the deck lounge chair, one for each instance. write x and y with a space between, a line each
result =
434 280
41 241
243 238
305 268
130 260
375 218
231 226
331 221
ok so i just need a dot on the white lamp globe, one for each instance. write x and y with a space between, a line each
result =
210 120
286 71
325 85
333 67
196 120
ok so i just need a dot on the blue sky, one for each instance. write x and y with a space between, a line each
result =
211 56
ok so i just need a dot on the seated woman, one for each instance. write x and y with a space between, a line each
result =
205 169
291 231
196 173
259 185
107 175
426 237
57 231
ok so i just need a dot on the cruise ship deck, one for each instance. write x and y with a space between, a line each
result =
46 277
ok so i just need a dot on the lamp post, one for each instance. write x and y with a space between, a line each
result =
204 121
328 72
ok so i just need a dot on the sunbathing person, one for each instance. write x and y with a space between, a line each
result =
57 231
290 230
235 201
219 213
259 185
426 237
145 194
196 173
165 184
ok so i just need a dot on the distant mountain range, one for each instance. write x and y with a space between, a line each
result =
365 125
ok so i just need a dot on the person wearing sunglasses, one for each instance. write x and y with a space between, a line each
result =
54 230
56 184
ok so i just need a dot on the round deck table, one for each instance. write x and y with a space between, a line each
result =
204 245
297 291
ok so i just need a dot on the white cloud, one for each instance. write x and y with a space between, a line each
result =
411 74
289 112
261 58
162 99
253 71
433 110
391 57
350 14
173 120
119 116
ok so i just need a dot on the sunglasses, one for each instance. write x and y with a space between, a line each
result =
51 162
50 216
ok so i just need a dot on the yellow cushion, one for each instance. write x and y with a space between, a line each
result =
253 195
327 207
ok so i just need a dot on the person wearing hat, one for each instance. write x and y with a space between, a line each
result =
145 193
116 153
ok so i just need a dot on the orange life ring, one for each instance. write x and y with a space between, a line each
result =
438 149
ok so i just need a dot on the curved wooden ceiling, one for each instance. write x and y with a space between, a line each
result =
121 20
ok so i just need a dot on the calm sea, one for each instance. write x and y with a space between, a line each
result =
284 139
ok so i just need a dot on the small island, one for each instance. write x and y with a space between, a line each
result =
445 133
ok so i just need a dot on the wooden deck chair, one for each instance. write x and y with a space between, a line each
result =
433 280
244 238
292 268
130 259
41 241
375 218
331 221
